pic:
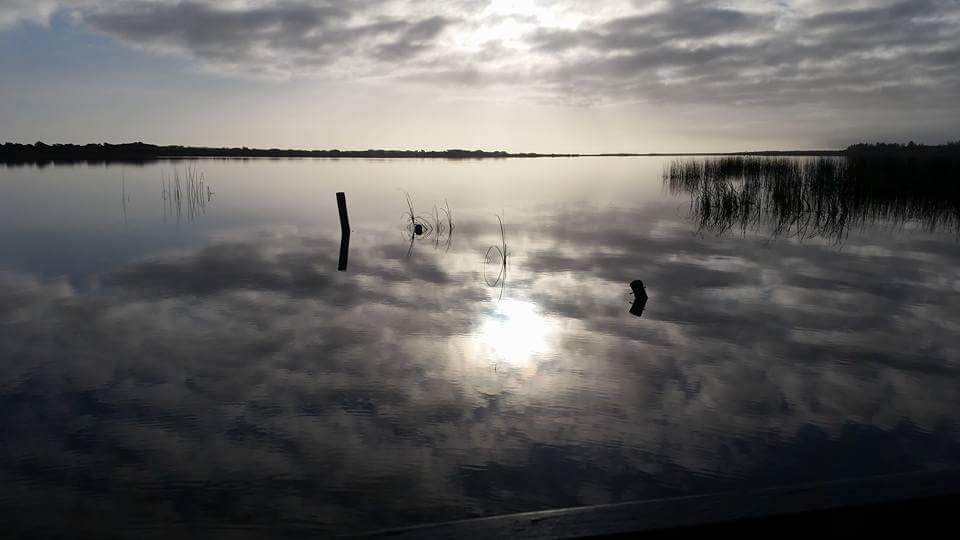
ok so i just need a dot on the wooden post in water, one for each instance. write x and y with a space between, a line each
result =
344 231
640 297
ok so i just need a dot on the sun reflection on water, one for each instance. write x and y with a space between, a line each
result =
514 333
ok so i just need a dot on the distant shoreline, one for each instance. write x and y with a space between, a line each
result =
41 153
784 153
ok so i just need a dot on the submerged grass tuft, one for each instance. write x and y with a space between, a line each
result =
437 226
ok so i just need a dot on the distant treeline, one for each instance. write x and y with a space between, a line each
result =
139 152
882 148
39 152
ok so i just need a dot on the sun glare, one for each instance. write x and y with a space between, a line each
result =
509 21
515 7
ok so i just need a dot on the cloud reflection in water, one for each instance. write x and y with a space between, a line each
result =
248 382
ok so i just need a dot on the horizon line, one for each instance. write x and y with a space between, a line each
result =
141 151
157 150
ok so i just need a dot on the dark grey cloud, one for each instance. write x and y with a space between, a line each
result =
413 40
695 21
888 17
283 37
698 52
216 34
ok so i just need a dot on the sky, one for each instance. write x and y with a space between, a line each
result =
521 75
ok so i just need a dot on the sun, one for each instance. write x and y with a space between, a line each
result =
514 7
506 22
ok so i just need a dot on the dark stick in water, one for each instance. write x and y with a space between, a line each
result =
344 231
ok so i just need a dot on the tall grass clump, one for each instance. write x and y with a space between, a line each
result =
187 194
822 197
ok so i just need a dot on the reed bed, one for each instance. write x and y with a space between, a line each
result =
819 197
187 194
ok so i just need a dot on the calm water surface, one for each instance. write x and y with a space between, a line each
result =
202 367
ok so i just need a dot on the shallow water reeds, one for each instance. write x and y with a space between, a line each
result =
184 195
493 253
819 197
437 226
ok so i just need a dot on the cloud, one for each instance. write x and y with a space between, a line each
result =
696 52
282 38
37 11
414 39
801 52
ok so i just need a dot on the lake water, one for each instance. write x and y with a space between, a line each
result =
171 367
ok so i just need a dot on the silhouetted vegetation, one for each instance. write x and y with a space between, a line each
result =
141 153
911 148
821 197
188 195
40 153
497 255
437 226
